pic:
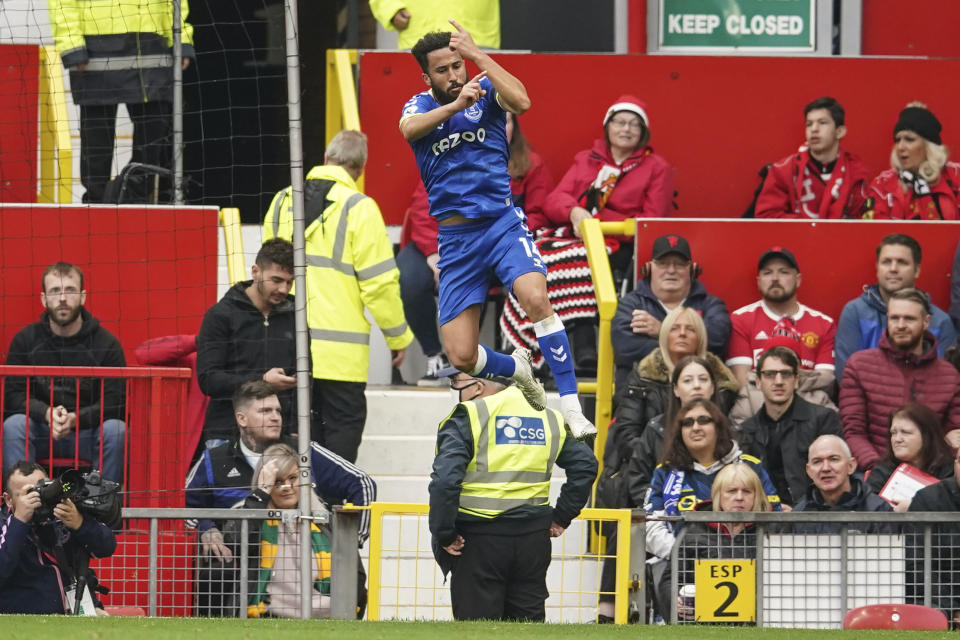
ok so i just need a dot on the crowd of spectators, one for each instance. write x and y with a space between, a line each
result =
774 406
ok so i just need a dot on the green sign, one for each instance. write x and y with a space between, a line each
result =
710 25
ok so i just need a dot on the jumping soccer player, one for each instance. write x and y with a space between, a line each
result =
457 131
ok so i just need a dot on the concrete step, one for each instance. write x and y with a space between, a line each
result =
399 439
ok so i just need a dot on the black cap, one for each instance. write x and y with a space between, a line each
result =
921 121
777 252
671 244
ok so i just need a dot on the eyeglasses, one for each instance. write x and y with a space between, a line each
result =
627 124
700 420
56 292
771 374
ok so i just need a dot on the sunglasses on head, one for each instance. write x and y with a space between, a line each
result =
700 420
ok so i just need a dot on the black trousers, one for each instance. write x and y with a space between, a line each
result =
339 413
501 577
152 125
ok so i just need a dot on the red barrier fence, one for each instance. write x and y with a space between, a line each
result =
717 120
155 456
836 257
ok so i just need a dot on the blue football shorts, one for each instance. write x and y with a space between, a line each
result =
471 254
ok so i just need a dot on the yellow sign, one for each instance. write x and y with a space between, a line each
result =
726 591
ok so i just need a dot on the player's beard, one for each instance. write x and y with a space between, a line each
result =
444 97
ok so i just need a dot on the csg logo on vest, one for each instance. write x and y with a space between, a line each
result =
518 430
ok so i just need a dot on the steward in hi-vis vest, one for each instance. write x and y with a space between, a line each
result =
350 269
490 512
119 51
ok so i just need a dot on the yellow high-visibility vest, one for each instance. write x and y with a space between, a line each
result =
350 267
515 448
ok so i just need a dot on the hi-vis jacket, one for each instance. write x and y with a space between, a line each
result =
125 45
495 457
350 266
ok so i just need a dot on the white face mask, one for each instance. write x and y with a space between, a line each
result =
455 394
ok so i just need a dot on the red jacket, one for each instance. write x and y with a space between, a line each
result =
529 193
781 197
877 381
645 191
892 200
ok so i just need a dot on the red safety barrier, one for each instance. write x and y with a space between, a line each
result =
156 456
837 257
126 573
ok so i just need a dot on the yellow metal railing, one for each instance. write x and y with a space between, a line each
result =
56 149
342 110
403 567
592 231
233 245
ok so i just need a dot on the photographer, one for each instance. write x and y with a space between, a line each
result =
38 560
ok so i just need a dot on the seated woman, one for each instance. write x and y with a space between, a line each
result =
921 184
530 182
625 485
916 438
647 392
736 489
619 177
699 443
274 576
693 378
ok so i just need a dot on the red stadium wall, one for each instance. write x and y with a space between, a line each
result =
150 271
836 257
717 120
897 28
19 77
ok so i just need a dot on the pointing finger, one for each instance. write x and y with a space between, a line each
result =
457 25
479 76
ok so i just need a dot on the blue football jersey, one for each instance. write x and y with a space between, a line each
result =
463 162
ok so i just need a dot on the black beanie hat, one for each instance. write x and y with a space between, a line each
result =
921 121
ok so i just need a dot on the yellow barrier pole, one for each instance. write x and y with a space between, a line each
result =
592 231
342 110
56 148
233 244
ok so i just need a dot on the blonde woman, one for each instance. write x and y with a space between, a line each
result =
736 489
921 184
275 551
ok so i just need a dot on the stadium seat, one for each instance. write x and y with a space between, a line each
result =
895 616
125 611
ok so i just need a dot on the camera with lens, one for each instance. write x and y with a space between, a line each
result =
92 495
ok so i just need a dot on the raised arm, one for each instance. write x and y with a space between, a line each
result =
512 93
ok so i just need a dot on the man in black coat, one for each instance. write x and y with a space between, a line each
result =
945 547
781 432
835 488
669 280
249 335
65 408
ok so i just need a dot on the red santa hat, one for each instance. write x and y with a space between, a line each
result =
631 104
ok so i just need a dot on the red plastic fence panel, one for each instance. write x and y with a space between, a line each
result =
717 120
148 271
19 116
126 572
836 257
